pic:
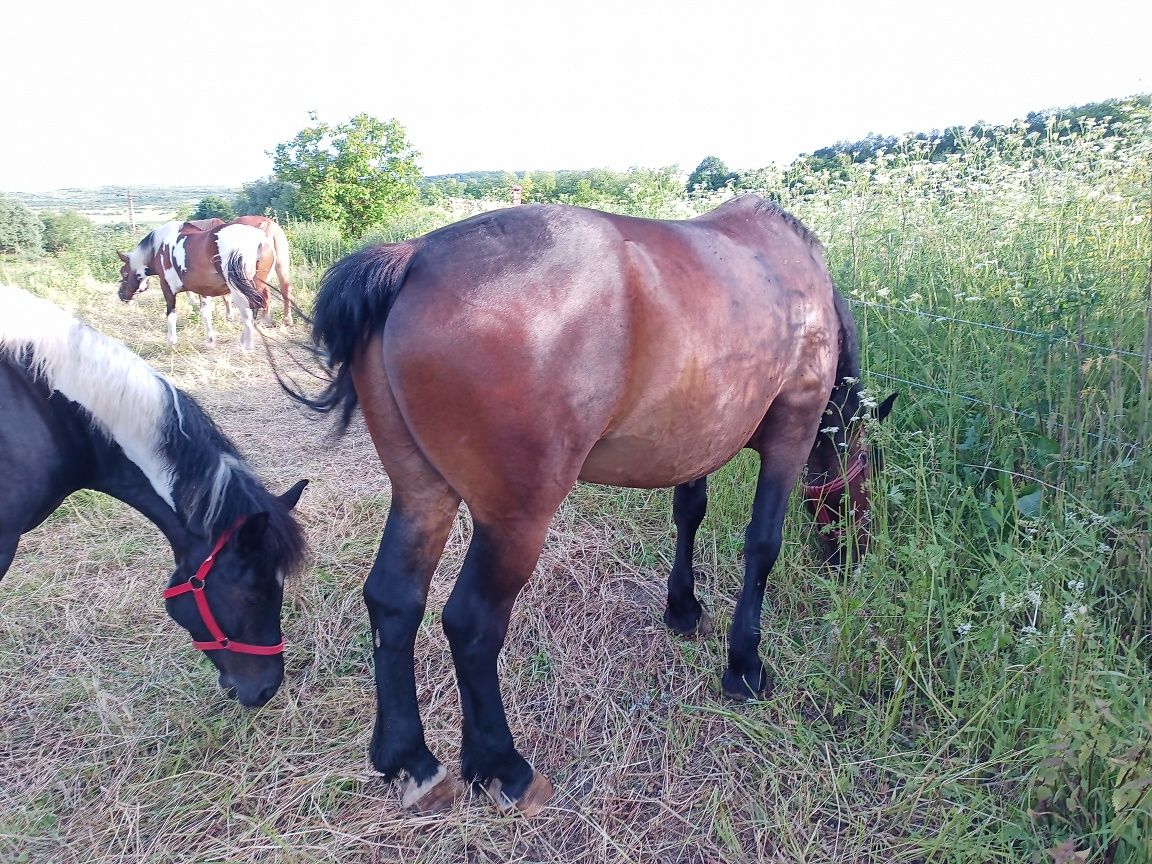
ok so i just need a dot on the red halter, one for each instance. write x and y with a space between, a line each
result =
196 585
818 497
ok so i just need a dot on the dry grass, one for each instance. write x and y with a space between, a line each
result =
115 745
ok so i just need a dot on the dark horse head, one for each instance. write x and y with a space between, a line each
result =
228 588
80 410
843 461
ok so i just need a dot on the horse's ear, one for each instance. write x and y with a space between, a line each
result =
885 407
123 257
252 532
289 498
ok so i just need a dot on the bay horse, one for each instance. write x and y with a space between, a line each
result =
501 359
275 233
81 411
229 260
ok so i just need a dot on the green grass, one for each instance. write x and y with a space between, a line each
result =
976 691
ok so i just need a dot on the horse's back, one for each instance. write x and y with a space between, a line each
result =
644 352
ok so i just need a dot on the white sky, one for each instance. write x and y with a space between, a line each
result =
116 93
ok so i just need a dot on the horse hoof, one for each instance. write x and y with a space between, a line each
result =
744 689
702 628
435 795
538 794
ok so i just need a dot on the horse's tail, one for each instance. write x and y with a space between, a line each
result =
353 303
236 274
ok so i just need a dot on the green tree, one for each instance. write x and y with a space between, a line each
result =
267 197
66 231
214 207
356 174
711 174
20 228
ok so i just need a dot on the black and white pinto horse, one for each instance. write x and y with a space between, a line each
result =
78 410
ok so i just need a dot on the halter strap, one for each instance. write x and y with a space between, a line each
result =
855 468
818 496
195 584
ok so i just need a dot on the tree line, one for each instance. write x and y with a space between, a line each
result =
364 173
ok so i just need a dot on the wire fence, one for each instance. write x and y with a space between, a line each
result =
1050 339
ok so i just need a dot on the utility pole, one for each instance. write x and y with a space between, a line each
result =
131 214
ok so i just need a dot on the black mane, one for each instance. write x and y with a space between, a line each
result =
213 486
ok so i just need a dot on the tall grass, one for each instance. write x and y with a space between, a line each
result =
1004 614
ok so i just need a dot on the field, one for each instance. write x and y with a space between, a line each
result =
976 692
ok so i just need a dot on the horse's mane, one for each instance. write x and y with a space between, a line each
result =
773 208
214 486
187 460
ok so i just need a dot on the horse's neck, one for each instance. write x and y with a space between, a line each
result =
121 478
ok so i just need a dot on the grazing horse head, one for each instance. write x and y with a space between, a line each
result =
227 593
840 468
80 410
142 262
133 274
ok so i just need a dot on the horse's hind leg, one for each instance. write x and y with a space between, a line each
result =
683 612
396 593
241 303
499 562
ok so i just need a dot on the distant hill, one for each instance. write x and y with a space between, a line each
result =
110 203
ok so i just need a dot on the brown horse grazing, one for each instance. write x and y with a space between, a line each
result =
503 358
228 260
275 233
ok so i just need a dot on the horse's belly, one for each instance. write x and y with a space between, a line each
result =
637 460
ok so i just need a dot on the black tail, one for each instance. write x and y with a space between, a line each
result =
355 296
238 279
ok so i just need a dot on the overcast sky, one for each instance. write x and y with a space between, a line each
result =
114 93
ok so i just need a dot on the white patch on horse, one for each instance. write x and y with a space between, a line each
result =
126 398
172 327
180 254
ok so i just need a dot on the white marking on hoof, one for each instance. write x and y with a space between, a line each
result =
414 791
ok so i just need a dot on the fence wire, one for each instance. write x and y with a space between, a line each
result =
1042 337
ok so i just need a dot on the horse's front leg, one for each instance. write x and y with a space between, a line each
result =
396 593
745 677
170 304
499 562
683 612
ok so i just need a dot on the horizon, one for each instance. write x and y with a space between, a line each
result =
614 86
684 170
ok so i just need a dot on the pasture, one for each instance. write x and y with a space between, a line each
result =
976 692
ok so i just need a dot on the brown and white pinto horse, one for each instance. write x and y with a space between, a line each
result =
275 233
501 359
229 260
